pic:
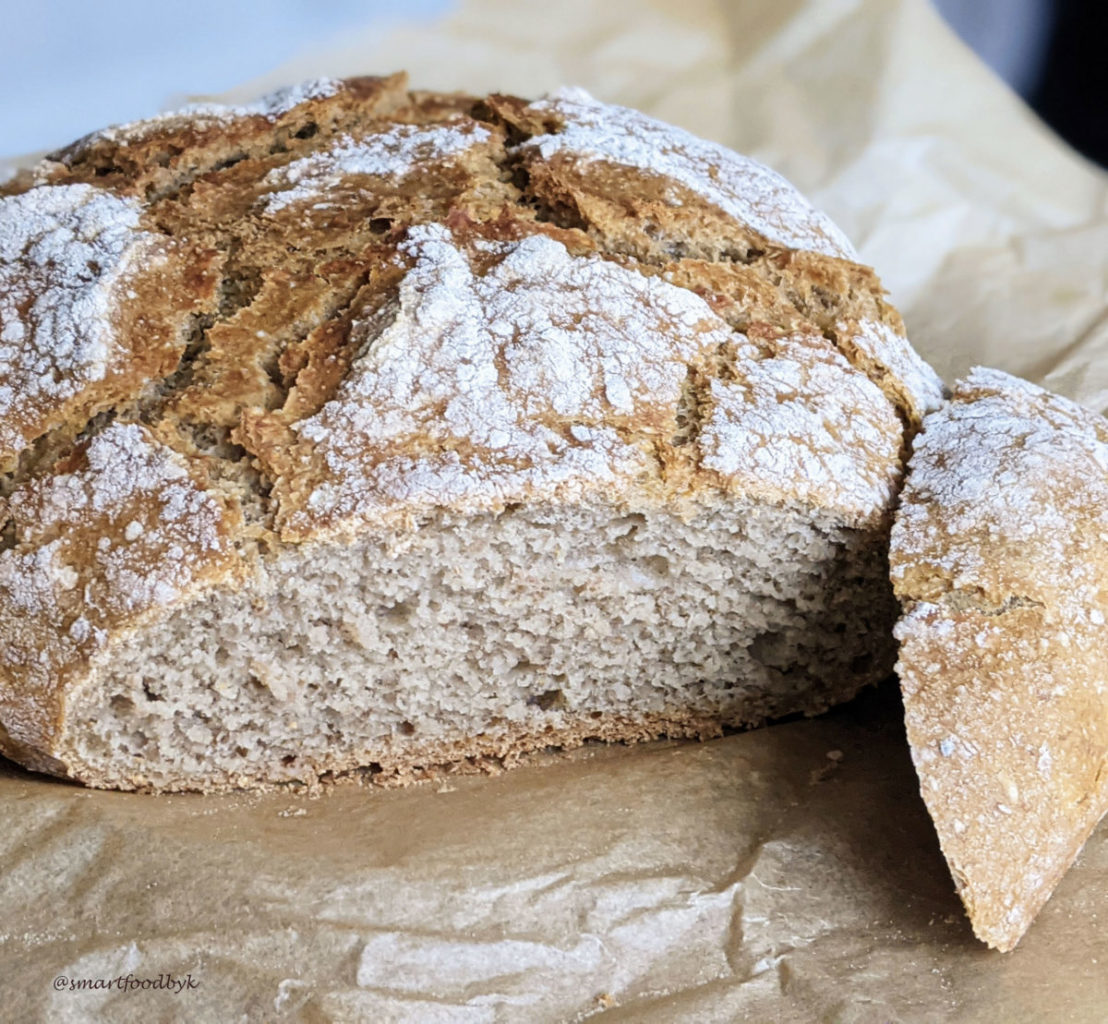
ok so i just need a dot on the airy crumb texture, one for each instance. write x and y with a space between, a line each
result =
1000 559
388 429
487 635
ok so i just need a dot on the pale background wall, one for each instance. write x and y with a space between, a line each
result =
68 66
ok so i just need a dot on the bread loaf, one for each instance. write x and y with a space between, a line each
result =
1000 557
364 429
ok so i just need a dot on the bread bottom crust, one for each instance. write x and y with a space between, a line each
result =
490 753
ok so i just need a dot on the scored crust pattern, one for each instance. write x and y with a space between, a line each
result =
328 311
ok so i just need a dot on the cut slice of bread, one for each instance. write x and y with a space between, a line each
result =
475 426
1000 560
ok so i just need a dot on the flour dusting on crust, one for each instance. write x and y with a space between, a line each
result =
271 106
65 254
804 425
743 188
128 532
921 387
486 387
395 153
1006 469
492 387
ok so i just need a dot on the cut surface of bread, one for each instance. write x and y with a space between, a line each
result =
391 430
488 635
1000 559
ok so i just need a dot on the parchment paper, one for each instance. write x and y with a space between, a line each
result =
787 874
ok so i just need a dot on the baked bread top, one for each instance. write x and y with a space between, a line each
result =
332 311
1000 559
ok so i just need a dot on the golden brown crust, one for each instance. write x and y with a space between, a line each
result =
1000 559
723 338
119 531
162 154
95 307
659 195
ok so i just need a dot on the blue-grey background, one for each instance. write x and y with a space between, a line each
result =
68 66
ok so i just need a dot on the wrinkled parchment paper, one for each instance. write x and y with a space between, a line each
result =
787 874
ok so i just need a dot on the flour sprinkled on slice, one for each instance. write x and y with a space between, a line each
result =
999 557
1007 466
64 250
395 153
743 188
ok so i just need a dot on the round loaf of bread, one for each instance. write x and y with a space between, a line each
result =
364 429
